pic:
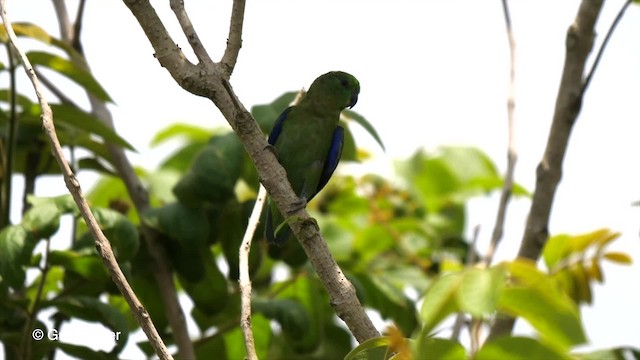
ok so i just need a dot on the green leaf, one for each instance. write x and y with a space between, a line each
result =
15 246
83 352
209 294
95 164
122 234
234 339
352 115
440 300
291 314
213 175
370 349
230 229
22 101
349 150
207 346
480 289
67 68
557 320
618 257
35 32
189 132
88 266
42 221
188 230
64 203
441 349
389 300
182 158
519 348
68 119
147 290
561 246
68 115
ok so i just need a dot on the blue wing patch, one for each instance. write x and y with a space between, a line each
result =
333 157
277 127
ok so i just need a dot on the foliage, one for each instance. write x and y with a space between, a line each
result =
400 242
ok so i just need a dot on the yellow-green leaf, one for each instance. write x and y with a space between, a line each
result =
618 257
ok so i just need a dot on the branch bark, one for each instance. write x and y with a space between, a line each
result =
140 197
211 81
102 243
245 279
579 43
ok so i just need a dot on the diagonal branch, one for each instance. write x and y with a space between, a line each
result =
234 41
579 43
209 80
102 243
140 197
189 31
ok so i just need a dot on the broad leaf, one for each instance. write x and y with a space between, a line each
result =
67 68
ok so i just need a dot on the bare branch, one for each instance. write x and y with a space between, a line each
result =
210 81
140 197
234 41
102 243
579 43
66 31
189 31
596 62
512 156
244 279
77 27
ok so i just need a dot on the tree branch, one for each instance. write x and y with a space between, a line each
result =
245 279
596 62
210 81
161 265
512 155
579 43
189 31
234 41
102 243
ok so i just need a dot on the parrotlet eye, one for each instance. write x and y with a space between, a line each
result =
344 82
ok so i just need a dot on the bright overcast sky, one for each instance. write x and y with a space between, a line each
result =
432 73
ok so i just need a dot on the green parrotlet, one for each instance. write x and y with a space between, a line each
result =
308 141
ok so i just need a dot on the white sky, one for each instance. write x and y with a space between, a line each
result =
432 73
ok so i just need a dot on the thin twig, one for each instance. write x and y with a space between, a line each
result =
244 278
579 43
234 41
64 24
507 187
10 147
613 26
140 197
102 243
189 31
77 27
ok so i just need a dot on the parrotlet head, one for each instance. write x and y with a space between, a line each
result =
341 87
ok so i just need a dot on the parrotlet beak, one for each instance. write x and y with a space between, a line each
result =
353 100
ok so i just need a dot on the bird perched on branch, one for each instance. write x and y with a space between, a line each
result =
308 141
